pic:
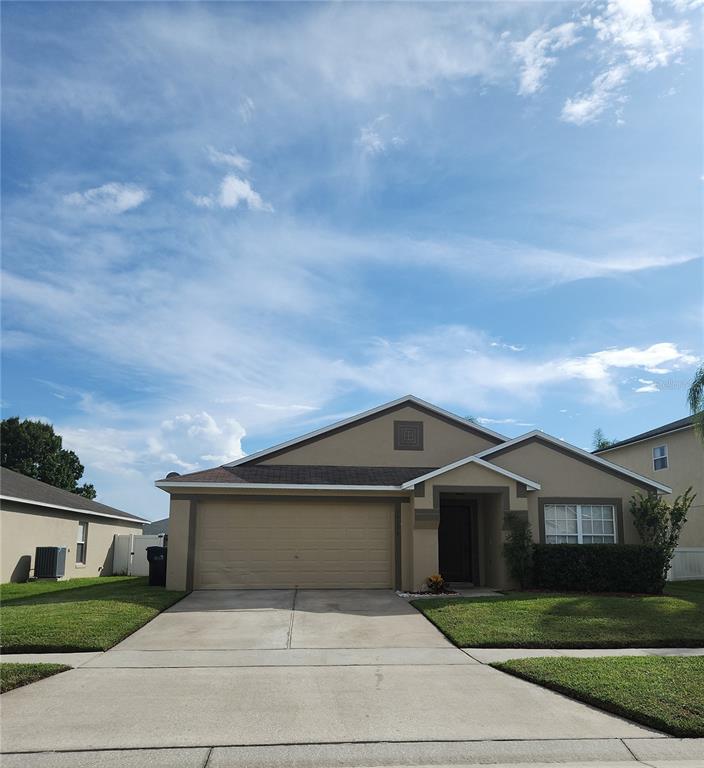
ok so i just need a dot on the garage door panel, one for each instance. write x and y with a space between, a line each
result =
289 544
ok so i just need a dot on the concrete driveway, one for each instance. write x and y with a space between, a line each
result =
310 667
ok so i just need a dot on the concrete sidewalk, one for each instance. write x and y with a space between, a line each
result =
595 753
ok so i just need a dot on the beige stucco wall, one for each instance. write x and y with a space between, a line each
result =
569 477
24 527
177 556
685 468
372 444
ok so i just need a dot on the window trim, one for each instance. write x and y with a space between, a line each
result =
665 456
82 531
616 502
580 534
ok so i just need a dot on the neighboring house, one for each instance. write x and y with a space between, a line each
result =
157 527
34 514
385 499
672 454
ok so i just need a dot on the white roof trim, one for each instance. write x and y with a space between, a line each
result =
627 443
531 485
352 419
165 484
574 449
136 520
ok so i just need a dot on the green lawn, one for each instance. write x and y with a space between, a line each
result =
663 692
16 675
77 615
543 620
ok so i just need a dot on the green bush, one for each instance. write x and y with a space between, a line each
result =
599 568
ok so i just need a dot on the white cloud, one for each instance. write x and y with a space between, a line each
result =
233 159
647 386
198 436
109 198
632 40
534 54
233 191
605 88
510 347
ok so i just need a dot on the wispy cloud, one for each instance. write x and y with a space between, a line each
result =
631 40
533 53
233 159
378 136
109 198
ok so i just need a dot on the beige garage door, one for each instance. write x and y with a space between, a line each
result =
294 544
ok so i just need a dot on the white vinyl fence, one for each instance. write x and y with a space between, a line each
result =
688 563
129 554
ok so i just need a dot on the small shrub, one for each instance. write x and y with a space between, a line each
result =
635 568
518 550
436 584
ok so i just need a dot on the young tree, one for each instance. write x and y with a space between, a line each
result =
35 450
695 400
660 523
600 441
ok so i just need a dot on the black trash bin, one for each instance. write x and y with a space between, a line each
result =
157 566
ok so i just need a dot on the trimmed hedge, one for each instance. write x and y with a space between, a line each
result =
599 568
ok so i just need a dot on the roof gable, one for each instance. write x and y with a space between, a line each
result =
560 445
416 403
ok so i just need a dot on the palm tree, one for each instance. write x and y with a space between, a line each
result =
695 398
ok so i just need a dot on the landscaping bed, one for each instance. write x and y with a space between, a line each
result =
546 620
663 692
17 675
77 615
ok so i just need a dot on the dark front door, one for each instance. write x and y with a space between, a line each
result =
455 543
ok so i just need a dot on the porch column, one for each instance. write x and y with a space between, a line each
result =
425 545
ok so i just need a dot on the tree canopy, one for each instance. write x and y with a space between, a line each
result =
600 441
35 450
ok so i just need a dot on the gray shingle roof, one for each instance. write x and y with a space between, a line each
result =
305 474
19 486
671 427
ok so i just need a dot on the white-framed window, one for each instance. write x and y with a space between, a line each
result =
81 542
580 524
660 457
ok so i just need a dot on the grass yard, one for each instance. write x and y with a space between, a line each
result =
663 692
543 620
16 675
77 615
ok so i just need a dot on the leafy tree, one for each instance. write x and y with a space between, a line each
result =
35 450
518 549
695 399
600 441
660 523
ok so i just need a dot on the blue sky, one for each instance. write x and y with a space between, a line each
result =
227 224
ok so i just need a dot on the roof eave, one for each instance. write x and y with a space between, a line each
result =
170 486
63 508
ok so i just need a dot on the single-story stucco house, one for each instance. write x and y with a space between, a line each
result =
673 454
387 498
34 514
